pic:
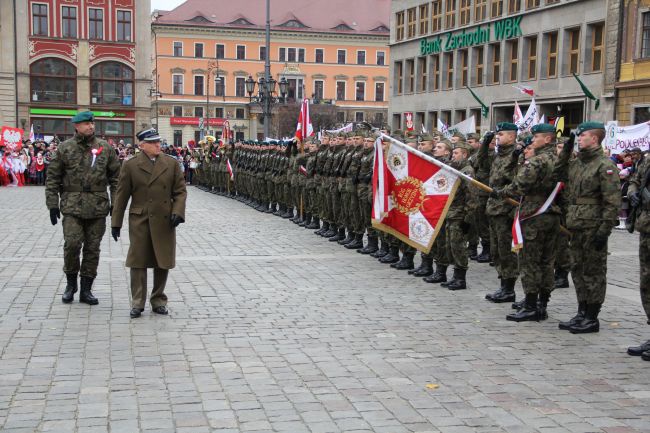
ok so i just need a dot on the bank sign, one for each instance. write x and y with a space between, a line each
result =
483 34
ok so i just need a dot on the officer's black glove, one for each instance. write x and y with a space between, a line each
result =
465 226
496 193
568 146
487 139
115 232
175 220
55 214
635 199
599 241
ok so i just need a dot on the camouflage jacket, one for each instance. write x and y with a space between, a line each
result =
640 182
76 187
460 206
502 171
482 171
352 171
593 190
366 166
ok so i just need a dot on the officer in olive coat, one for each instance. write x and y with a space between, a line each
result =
154 182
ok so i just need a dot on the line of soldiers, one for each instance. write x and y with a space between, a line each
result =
326 186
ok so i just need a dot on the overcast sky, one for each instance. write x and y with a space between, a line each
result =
165 5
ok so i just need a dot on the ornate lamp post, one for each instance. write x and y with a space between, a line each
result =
212 66
265 96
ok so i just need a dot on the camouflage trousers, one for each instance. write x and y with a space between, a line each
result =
589 270
364 196
456 244
505 261
335 201
644 259
563 255
480 229
538 254
439 249
82 234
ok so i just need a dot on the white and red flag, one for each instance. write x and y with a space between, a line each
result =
226 134
525 90
304 128
517 234
229 167
302 170
411 194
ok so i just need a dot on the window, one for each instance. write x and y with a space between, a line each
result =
410 29
178 49
435 72
641 115
574 51
422 74
532 57
449 70
496 62
645 35
424 19
111 83
463 63
39 19
117 130
318 55
465 7
340 90
358 116
399 77
240 113
341 57
532 4
124 26
178 111
178 138
399 26
513 59
379 118
496 8
551 55
361 57
291 55
318 89
241 52
262 53
240 86
597 47
198 85
301 55
379 92
450 14
53 80
219 86
218 112
220 51
198 50
410 76
436 16
360 91
459 116
69 22
479 62
480 10
198 111
177 84
340 116
95 23
282 55
381 58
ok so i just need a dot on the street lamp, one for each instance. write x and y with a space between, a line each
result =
265 96
212 65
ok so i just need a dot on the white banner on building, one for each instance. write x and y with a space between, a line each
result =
621 138
467 126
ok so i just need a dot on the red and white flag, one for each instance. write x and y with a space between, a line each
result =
517 235
32 137
518 114
525 90
229 167
226 135
411 194
304 128
302 170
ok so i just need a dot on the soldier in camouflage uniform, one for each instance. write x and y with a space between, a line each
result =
318 179
364 195
356 229
639 194
593 187
77 177
563 255
480 229
323 162
310 199
335 233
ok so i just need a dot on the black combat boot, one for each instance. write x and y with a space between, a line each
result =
458 280
270 208
356 243
288 213
426 268
439 276
590 323
339 236
305 221
70 288
414 270
85 295
332 232
371 247
347 239
506 293
406 262
561 279
528 312
262 207
472 252
518 305
282 209
325 228
314 224
542 303
638 350
381 252
391 257
580 315
485 256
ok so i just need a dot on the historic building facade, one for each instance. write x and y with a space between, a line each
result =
334 53
443 48
75 55
7 65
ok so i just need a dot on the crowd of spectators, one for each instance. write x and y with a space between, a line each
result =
628 163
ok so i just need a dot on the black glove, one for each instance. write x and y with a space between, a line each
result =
496 193
599 241
465 226
487 139
568 146
518 151
115 232
55 214
175 220
635 199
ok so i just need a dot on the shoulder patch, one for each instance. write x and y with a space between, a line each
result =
610 172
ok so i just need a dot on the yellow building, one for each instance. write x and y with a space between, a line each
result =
335 53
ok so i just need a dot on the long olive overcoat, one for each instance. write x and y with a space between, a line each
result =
156 191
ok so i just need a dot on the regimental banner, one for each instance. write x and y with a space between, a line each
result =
621 138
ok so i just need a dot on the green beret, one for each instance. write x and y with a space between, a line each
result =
543 128
463 145
507 126
587 126
84 116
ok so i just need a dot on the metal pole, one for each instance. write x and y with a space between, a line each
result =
207 105
266 110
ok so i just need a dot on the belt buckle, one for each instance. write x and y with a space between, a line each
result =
85 188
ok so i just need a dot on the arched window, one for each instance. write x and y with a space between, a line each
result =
53 80
111 83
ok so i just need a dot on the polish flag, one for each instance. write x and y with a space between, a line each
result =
304 128
302 170
229 167
517 236
525 90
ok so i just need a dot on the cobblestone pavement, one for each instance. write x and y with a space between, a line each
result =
274 329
